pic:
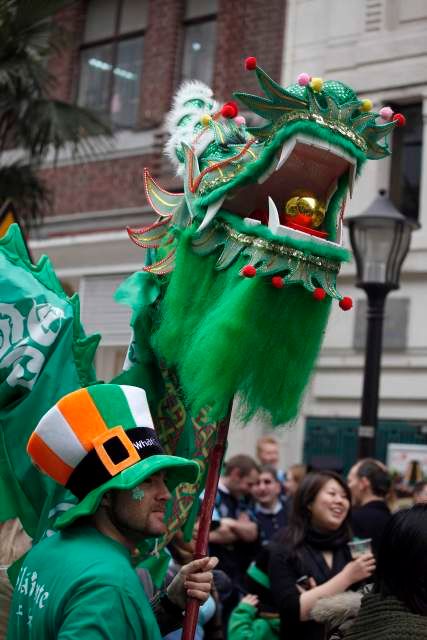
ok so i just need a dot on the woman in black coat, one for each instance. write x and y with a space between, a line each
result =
311 559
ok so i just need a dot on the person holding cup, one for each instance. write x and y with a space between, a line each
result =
312 559
369 483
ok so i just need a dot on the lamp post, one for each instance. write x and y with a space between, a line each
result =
380 239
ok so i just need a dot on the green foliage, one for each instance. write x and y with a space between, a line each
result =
31 120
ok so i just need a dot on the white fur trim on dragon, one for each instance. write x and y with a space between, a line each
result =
192 101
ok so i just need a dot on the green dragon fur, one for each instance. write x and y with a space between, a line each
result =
219 327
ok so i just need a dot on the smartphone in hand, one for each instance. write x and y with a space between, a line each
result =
304 582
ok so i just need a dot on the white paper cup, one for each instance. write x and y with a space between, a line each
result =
358 547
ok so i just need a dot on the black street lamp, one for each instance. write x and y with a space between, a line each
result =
380 239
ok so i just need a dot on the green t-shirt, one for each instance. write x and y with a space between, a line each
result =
80 585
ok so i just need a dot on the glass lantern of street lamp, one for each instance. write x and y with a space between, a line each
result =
380 239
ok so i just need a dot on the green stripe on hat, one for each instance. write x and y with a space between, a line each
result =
259 576
112 404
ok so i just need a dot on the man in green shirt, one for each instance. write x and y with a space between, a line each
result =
79 583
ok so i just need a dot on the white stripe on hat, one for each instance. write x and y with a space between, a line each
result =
55 431
138 405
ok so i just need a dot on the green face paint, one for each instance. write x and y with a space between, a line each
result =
137 494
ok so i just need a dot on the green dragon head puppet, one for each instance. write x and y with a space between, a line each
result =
247 256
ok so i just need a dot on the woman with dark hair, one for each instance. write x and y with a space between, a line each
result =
397 607
312 559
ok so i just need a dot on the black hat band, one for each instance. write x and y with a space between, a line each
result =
91 472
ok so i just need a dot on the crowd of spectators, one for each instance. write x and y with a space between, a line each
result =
304 554
309 553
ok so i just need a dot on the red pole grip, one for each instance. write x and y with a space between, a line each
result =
215 461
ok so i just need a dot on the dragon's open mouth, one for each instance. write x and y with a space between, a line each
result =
304 165
266 201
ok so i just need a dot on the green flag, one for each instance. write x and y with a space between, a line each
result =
44 355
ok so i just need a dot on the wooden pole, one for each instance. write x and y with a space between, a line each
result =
215 461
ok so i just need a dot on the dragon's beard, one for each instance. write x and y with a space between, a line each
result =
231 336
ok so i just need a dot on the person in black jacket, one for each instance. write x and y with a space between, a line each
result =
311 559
397 605
235 540
369 484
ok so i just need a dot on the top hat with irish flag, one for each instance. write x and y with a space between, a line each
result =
101 438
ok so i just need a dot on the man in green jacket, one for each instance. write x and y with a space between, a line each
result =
80 582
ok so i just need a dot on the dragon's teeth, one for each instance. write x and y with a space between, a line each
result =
330 192
286 151
323 144
211 213
252 221
273 215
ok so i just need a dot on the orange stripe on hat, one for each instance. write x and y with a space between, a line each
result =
47 460
80 411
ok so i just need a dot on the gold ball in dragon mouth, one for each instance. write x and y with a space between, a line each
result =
305 210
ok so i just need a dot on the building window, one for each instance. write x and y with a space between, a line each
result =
406 161
199 40
111 59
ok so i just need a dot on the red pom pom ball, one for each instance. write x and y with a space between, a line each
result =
229 110
249 271
400 119
277 282
250 63
346 303
319 293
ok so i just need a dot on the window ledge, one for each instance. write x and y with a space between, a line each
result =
70 225
124 144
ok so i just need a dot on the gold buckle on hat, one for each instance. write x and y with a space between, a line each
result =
114 468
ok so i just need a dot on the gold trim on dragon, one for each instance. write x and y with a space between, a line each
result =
281 249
